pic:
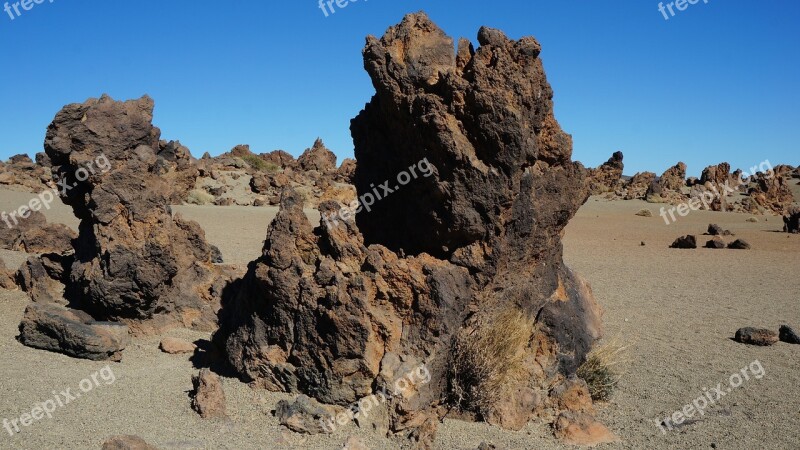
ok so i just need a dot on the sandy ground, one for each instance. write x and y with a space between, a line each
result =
675 309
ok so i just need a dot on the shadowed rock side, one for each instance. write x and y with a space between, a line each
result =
133 260
469 258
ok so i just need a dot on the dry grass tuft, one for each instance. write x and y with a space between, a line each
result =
199 197
603 369
488 362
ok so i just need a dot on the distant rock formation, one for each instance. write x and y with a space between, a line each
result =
638 186
446 268
607 177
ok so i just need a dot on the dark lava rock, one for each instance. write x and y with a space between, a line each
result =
59 329
739 244
685 242
788 335
756 336
715 243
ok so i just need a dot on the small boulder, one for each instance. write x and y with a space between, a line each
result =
644 213
756 336
6 277
175 346
716 230
687 241
127 442
305 415
56 328
788 335
739 244
354 443
208 398
715 243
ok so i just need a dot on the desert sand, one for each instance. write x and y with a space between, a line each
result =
676 310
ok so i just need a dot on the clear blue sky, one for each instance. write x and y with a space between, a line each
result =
717 82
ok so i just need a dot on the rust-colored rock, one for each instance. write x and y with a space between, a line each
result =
638 186
6 277
674 178
607 177
33 234
771 191
133 260
318 158
208 398
175 346
757 336
448 263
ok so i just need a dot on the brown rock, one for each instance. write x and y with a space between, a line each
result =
756 336
638 186
772 192
34 235
6 277
127 442
176 346
607 177
134 260
208 398
674 178
472 243
58 329
318 158
354 443
43 277
346 171
715 243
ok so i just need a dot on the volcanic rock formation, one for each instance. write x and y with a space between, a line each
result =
133 260
459 272
791 221
607 177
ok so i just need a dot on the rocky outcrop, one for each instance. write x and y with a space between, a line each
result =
44 276
607 177
134 261
23 174
176 165
318 158
772 192
346 171
438 272
59 329
674 178
638 186
6 277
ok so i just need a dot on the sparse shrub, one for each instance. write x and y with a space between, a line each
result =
199 197
490 360
602 370
259 164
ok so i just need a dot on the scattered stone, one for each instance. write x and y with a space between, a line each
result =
788 335
644 213
582 429
487 446
756 336
685 242
716 230
739 244
715 243
127 442
643 244
175 346
305 415
752 220
71 332
208 398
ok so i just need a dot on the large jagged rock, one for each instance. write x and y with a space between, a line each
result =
43 277
771 191
607 177
674 178
318 158
177 166
133 260
459 272
639 185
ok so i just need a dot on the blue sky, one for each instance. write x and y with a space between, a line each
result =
717 82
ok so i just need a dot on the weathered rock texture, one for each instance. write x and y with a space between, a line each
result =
59 329
448 263
607 177
208 398
6 277
756 336
34 235
133 260
638 186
